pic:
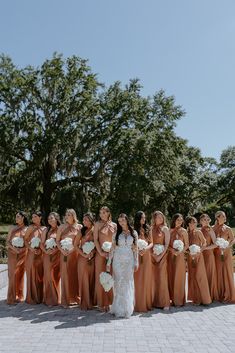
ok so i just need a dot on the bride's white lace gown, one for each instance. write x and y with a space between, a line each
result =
124 257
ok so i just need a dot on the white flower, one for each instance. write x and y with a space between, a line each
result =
17 242
194 249
35 242
107 246
142 244
158 249
222 243
66 244
88 246
178 245
106 280
50 243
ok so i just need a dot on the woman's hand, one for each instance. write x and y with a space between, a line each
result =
142 252
104 254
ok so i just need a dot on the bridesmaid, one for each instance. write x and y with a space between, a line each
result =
68 259
103 231
34 263
176 261
51 262
86 264
16 260
143 276
160 235
224 264
208 254
198 288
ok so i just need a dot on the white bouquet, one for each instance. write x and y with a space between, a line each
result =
222 244
17 242
88 246
158 249
142 244
106 246
35 242
66 244
178 245
194 249
106 280
50 243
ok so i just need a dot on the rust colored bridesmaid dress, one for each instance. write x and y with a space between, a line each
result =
68 269
105 233
177 267
225 279
86 275
51 266
198 288
16 268
209 259
34 269
143 279
161 297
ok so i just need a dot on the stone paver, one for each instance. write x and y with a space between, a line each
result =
34 329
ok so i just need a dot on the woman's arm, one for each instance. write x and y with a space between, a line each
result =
96 240
58 238
166 232
8 241
111 253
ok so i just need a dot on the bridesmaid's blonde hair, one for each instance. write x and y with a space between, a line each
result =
217 214
154 215
73 213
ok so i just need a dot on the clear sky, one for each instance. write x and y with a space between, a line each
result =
186 47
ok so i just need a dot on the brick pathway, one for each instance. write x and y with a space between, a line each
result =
26 329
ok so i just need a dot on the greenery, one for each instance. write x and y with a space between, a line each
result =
66 140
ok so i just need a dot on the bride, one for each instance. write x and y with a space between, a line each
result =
124 255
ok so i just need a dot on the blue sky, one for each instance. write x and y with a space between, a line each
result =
186 47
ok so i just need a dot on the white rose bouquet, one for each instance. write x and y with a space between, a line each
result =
67 245
222 244
158 249
17 242
106 280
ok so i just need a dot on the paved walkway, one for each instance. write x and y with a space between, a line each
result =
31 329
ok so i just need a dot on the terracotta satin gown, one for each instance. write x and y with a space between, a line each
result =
34 270
68 270
177 269
209 259
51 266
102 298
161 297
198 288
143 280
225 279
16 268
86 275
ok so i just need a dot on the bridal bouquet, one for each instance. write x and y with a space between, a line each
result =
50 243
17 242
222 244
106 280
106 246
178 245
194 249
66 244
88 246
158 249
35 242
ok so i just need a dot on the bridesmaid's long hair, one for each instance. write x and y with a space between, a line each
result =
39 214
73 213
154 215
58 221
25 218
91 219
119 228
137 224
174 218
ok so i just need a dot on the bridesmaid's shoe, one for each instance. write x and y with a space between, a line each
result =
166 308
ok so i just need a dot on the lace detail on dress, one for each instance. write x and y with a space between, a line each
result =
125 257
